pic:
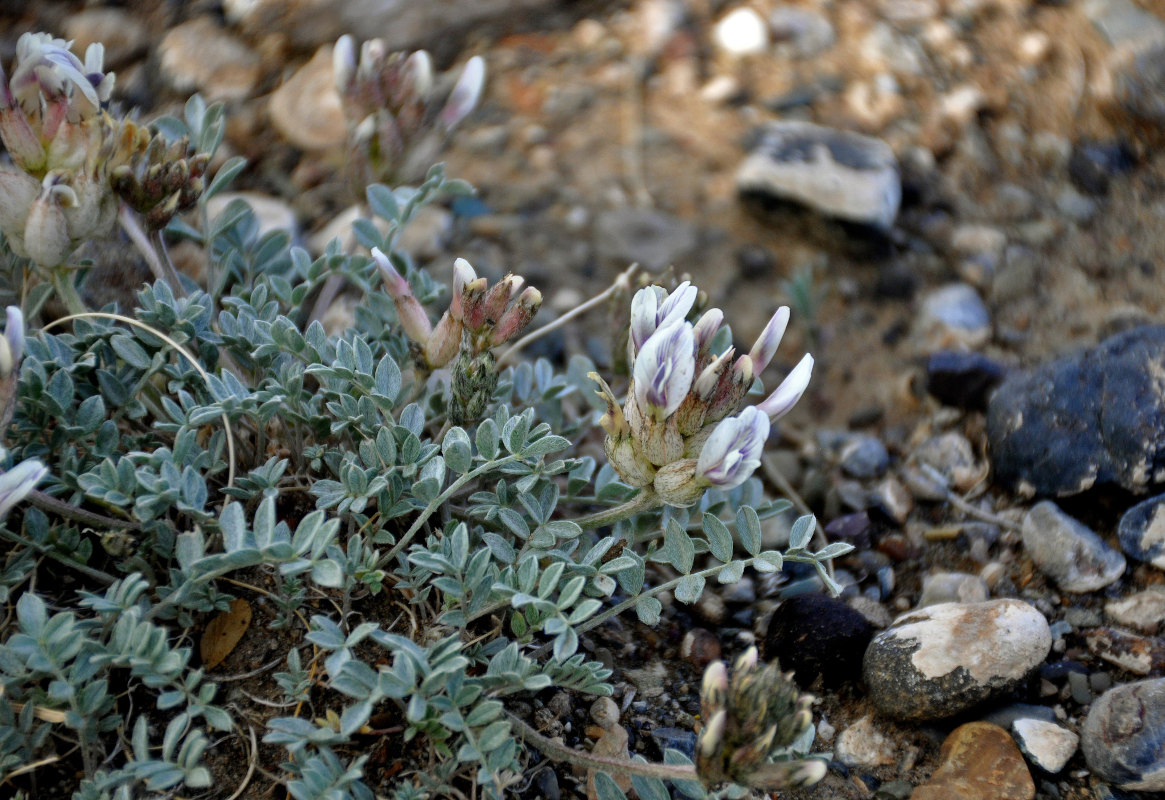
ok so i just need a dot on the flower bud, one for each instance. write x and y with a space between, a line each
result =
664 370
625 458
443 342
463 275
16 483
678 485
465 94
766 344
343 63
12 343
733 451
786 395
413 318
46 234
18 191
518 317
706 328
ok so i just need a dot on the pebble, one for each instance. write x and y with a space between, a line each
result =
1090 418
1047 745
651 238
808 32
741 32
1139 90
939 661
1123 738
1142 531
648 680
678 739
864 456
1075 206
1141 655
981 241
892 499
427 235
952 316
837 173
1069 552
980 761
1092 165
952 587
815 635
700 647
1144 611
124 35
200 55
272 213
306 108
605 712
864 745
951 456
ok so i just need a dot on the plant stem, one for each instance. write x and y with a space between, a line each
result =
62 278
646 500
554 750
46 502
87 571
439 501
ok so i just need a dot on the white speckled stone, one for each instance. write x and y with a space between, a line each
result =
945 659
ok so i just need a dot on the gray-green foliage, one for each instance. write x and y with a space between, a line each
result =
350 485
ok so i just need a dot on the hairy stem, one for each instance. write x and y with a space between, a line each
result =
646 500
62 278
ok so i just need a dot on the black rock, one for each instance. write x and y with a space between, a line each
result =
963 380
813 635
1092 165
1142 535
1091 418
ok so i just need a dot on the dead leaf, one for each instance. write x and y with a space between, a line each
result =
224 632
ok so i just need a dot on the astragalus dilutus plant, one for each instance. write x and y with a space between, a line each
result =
409 521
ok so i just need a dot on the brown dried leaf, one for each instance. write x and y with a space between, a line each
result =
224 632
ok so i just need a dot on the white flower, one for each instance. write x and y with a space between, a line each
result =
733 451
653 309
664 370
785 396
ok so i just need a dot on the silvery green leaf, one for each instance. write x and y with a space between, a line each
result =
606 788
487 439
748 529
731 573
457 450
801 532
648 609
719 538
769 561
680 546
327 573
382 202
689 589
833 550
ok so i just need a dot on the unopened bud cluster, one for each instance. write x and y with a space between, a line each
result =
71 162
746 720
682 429
396 118
480 317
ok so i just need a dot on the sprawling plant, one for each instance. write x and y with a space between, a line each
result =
412 512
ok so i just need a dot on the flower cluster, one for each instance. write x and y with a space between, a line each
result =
396 122
72 162
745 721
679 430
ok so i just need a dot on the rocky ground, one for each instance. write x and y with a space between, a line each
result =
940 435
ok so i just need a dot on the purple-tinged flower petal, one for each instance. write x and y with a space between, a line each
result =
664 370
413 318
707 326
766 344
785 396
16 483
465 94
652 309
463 275
732 453
344 63
14 333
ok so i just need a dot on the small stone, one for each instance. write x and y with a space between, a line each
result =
743 592
1144 611
648 680
853 528
1123 737
979 240
952 316
741 32
963 379
124 35
939 661
678 739
864 456
815 635
1075 206
892 499
950 456
605 712
651 238
1142 531
306 108
1138 654
1067 551
611 744
340 227
807 31
1092 165
836 173
272 213
863 745
754 262
711 607
200 55
952 587
1090 418
979 762
1047 745
699 647
1014 202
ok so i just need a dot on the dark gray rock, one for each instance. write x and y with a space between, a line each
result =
1123 737
942 660
1093 417
1067 551
864 456
963 379
1092 165
813 635
836 173
1142 531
